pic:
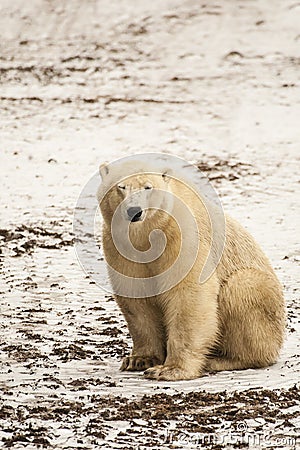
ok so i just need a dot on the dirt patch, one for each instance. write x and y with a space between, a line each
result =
25 238
196 417
217 169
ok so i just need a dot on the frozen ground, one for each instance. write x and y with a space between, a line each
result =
84 82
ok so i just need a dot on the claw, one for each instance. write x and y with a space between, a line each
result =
169 373
138 363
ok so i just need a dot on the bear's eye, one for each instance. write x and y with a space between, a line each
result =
121 186
148 186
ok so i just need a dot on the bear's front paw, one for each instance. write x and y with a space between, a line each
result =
170 373
135 363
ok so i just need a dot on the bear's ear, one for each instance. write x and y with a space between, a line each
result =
103 170
166 174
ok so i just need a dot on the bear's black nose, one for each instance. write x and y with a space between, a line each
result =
134 213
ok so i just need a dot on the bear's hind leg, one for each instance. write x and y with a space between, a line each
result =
252 321
220 364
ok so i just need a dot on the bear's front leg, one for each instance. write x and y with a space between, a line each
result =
146 328
192 326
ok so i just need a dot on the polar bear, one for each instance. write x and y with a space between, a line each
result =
234 320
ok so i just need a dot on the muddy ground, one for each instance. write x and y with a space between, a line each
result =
216 83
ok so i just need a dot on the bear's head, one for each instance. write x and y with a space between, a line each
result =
134 195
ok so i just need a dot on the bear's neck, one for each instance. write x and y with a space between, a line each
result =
140 234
